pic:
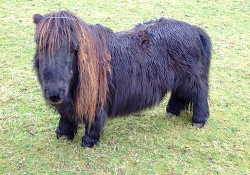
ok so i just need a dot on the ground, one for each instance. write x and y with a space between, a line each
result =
152 143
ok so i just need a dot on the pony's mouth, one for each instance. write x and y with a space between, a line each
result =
52 102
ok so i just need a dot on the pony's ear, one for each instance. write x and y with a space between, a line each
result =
37 18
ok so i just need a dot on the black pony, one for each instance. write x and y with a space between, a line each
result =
87 72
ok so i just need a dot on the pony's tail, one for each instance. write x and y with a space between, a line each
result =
207 46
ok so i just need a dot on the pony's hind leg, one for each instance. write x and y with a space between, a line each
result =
175 105
200 109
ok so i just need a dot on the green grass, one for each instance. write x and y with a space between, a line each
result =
151 144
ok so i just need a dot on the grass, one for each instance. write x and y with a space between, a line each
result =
151 144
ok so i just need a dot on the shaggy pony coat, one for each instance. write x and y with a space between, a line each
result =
120 73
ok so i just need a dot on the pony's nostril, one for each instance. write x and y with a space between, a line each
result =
62 94
54 98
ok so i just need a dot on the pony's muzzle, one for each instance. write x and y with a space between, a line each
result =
54 95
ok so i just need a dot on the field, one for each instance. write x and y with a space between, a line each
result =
152 143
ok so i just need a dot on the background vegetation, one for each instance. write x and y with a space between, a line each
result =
151 144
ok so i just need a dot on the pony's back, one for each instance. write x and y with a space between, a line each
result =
153 58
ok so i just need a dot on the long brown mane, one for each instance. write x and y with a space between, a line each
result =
93 58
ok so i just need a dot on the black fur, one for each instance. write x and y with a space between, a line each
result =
147 61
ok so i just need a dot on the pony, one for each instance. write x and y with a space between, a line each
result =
88 72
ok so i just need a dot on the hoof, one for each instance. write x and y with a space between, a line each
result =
88 142
87 145
198 125
169 114
61 135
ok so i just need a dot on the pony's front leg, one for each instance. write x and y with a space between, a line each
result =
93 133
68 123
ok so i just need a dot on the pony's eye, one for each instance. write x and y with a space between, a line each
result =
72 49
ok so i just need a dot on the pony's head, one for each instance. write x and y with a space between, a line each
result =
67 56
